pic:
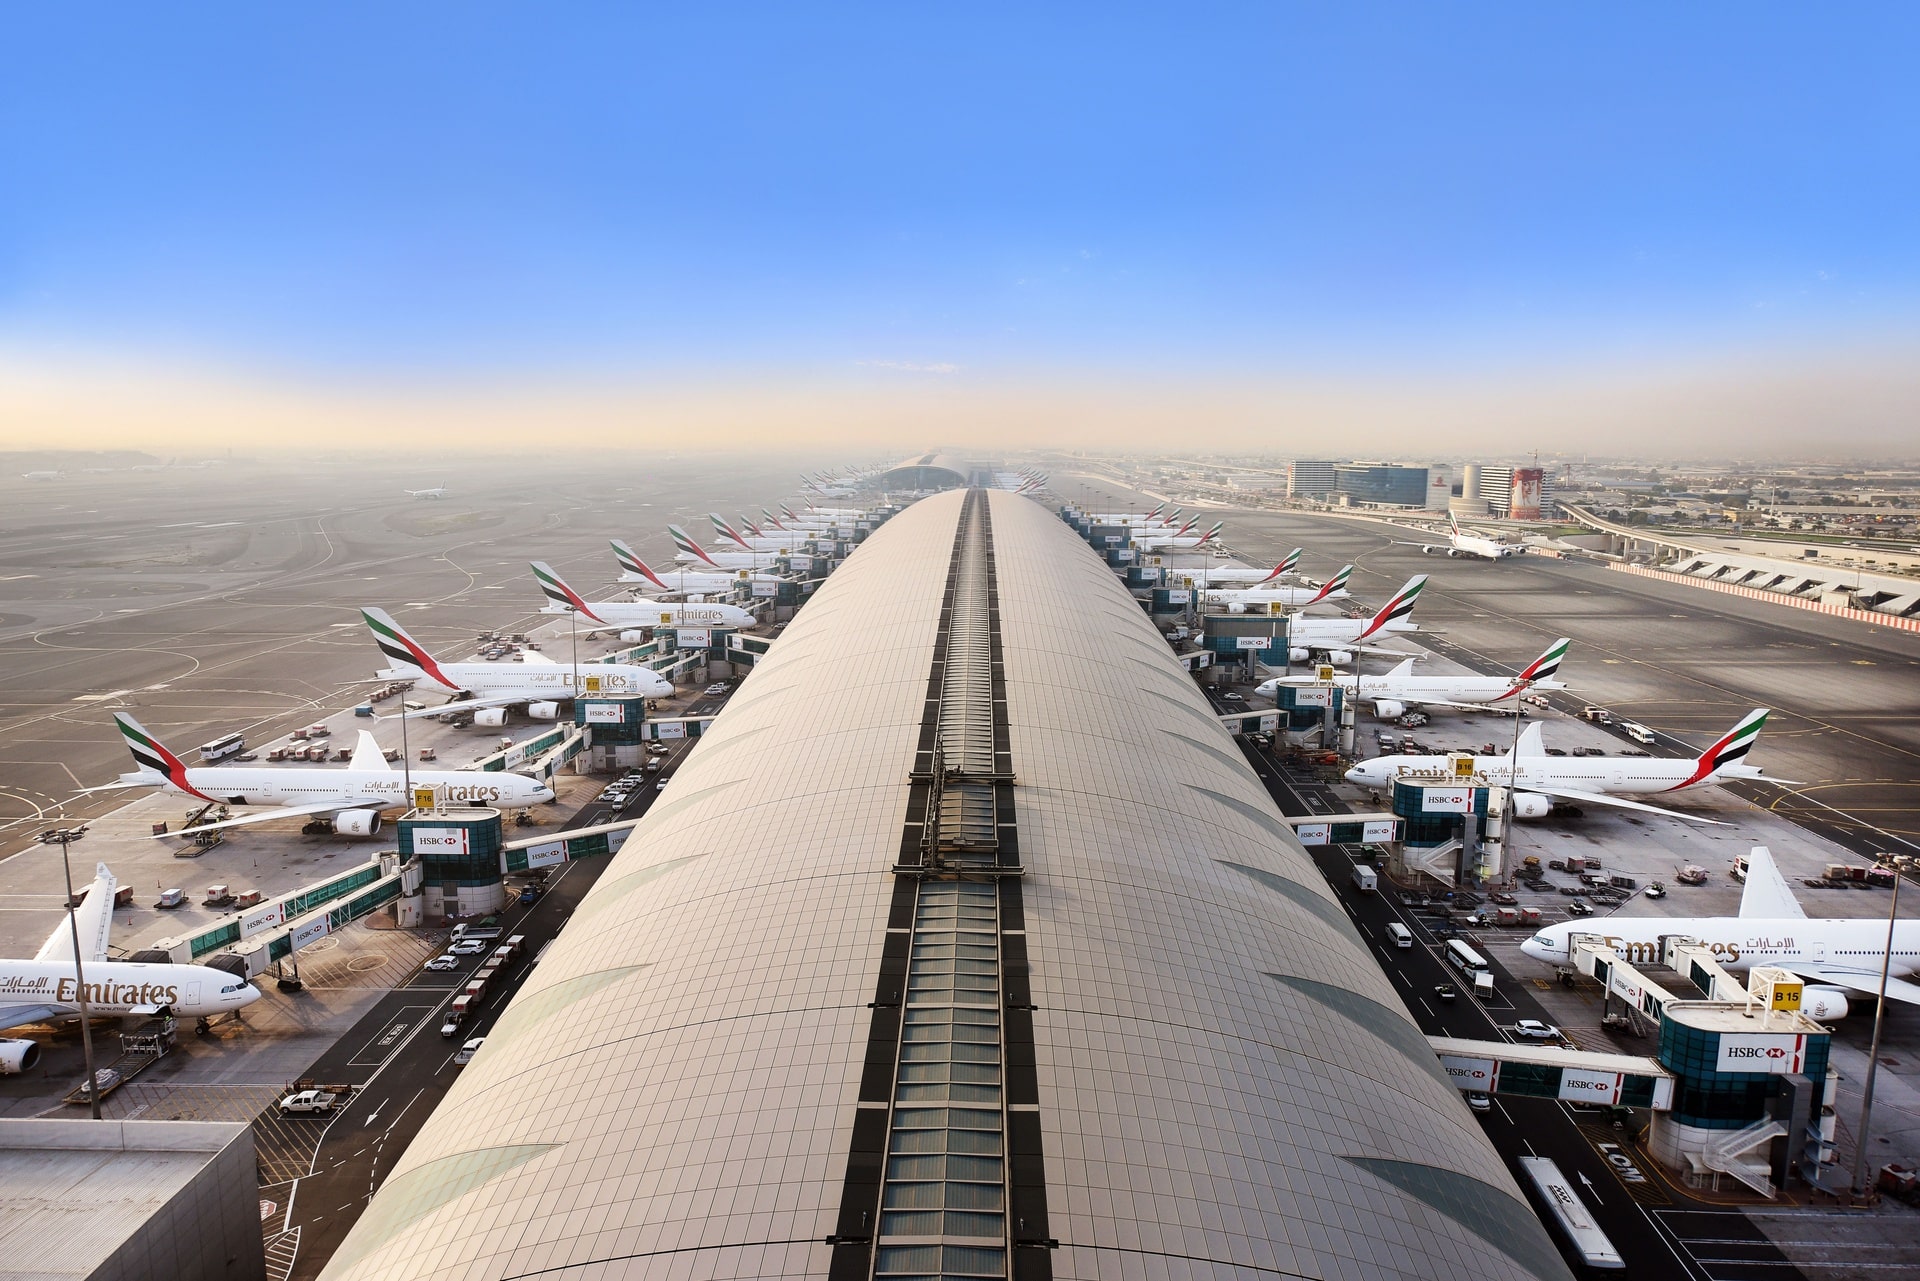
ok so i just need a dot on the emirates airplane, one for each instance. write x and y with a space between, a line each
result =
1392 693
683 581
1260 598
1245 575
351 798
1539 779
1340 638
694 552
639 612
1839 957
536 679
1177 540
756 541
47 987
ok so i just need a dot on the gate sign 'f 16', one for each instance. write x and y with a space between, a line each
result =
636 613
1841 955
537 679
45 988
350 798
1540 779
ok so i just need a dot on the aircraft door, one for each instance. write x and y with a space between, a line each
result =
193 997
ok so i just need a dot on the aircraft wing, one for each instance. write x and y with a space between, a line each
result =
1603 798
1859 981
261 816
533 657
367 754
15 1015
94 917
490 700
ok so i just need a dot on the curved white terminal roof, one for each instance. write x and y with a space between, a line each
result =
1228 1085
926 471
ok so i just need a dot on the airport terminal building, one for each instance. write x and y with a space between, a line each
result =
965 944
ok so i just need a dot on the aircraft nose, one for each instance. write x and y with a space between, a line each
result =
245 996
1356 775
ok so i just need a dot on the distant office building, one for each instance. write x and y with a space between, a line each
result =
1439 487
1516 493
1309 479
1386 483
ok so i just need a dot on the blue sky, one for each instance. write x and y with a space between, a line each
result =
386 190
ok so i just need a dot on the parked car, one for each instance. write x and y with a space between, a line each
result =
467 947
464 1055
1535 1030
1577 908
1478 1101
445 961
714 691
1445 992
309 1103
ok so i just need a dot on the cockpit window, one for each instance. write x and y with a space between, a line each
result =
1545 942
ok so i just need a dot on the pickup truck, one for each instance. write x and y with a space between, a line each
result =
309 1103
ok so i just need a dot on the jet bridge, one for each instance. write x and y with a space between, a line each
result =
1539 1071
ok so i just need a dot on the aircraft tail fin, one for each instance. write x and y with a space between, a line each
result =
406 653
726 531
1287 565
368 755
1213 533
1333 586
152 759
1396 609
684 541
94 920
1730 749
559 593
1767 895
631 563
1547 664
1532 741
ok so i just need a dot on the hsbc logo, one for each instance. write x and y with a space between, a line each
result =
1774 1054
1756 1052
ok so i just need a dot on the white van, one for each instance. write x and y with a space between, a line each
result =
1400 934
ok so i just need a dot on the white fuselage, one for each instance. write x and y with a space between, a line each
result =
771 542
1318 633
1150 540
124 987
1738 942
655 613
728 560
1416 689
360 788
1473 545
1624 775
540 682
693 580
1264 596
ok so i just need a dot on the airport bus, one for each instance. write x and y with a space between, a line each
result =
1465 958
221 748
1570 1213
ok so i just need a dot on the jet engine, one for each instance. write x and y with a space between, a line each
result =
543 711
356 822
1823 1003
1389 709
632 637
490 716
1339 657
1454 553
1237 607
18 1056
1532 805
1428 549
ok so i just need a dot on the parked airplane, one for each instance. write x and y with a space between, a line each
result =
1392 693
46 988
1541 779
1158 518
1241 600
639 612
1340 638
351 798
692 551
683 581
537 680
1840 957
1460 544
756 542
1242 575
1177 540
438 491
811 526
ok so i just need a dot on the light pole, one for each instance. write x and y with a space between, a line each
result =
80 979
1873 1053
